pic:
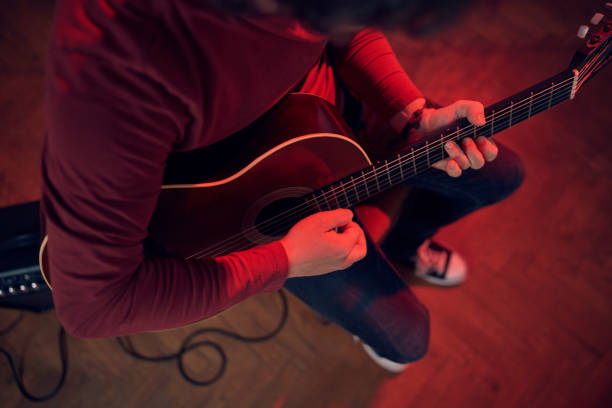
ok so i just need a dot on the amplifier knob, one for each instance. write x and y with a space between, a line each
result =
11 290
1 292
34 285
23 288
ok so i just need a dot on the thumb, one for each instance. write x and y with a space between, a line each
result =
472 110
328 220
350 233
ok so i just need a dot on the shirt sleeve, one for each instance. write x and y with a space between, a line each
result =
370 69
110 130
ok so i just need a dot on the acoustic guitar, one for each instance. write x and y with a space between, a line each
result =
301 158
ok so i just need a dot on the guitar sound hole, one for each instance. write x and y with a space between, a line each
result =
276 218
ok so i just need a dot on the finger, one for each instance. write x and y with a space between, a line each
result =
473 154
449 166
440 165
472 110
487 147
345 236
328 220
453 169
351 234
455 153
358 252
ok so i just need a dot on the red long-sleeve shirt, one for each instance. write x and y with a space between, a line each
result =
129 81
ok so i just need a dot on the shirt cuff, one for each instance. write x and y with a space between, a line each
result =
272 264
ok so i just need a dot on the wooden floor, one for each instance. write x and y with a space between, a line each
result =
532 325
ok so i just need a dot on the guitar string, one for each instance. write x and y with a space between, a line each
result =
392 165
335 201
593 56
395 179
601 46
365 177
582 78
588 59
360 186
599 62
409 157
361 179
273 235
583 72
359 183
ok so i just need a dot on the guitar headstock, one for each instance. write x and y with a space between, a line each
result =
595 53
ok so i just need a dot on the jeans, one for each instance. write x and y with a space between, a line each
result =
370 299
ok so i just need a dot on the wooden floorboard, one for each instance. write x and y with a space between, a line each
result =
531 327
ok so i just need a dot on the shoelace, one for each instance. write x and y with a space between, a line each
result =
432 258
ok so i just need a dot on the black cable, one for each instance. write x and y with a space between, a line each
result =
128 347
187 346
19 376
13 324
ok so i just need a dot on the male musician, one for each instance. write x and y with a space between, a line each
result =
130 81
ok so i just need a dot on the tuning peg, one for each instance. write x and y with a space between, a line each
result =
609 5
597 17
582 31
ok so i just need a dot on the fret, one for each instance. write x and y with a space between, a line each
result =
325 202
314 197
540 106
388 173
511 111
333 191
566 93
348 203
510 120
551 95
399 162
436 158
561 94
355 188
502 115
365 182
530 105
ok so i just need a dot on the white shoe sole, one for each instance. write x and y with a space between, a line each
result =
441 282
385 363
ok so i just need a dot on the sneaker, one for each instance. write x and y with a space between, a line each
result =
439 265
383 362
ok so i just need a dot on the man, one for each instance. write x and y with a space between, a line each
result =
130 81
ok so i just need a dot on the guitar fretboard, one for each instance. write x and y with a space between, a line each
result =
421 155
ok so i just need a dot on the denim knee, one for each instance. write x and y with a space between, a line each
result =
408 343
508 175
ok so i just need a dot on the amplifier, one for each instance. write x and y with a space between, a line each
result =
21 283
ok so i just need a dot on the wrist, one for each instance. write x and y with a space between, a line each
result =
289 253
400 119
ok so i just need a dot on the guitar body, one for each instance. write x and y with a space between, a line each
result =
216 200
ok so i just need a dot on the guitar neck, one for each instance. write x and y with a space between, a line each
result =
523 105
420 156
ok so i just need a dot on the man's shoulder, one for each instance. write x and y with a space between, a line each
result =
103 30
